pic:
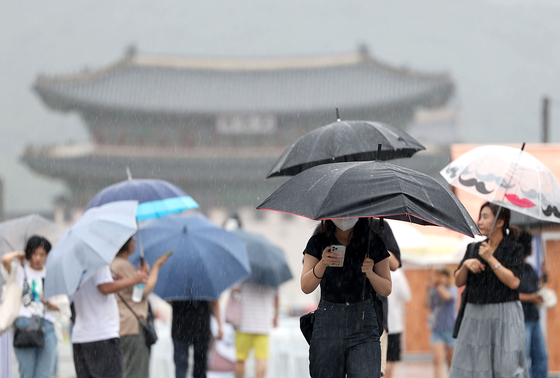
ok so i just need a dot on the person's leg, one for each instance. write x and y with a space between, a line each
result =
104 358
27 360
80 362
362 360
389 369
46 356
243 343
528 338
261 354
383 340
449 347
239 369
449 356
181 357
327 357
201 345
393 353
439 358
539 355
136 356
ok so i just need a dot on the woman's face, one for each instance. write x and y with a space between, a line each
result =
38 258
486 220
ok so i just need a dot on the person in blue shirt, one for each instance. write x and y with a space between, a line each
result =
535 345
442 300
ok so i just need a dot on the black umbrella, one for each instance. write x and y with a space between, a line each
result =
371 189
343 142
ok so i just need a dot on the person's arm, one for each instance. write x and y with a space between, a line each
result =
530 298
276 306
311 278
394 263
379 275
469 265
505 275
153 275
118 285
8 257
215 308
444 293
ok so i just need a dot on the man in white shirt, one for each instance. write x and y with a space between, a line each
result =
398 297
95 335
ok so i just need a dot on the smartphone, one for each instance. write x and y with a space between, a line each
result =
340 251
169 253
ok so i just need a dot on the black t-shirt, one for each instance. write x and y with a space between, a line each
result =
345 284
529 284
485 287
190 319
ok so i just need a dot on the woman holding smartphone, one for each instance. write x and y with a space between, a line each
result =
342 346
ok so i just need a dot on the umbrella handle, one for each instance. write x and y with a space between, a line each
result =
141 260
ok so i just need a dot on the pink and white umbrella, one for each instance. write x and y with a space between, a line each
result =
508 177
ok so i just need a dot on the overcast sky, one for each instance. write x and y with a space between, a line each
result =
504 55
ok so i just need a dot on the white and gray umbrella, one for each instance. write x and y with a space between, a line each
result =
89 245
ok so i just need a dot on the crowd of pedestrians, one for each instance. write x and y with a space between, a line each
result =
497 325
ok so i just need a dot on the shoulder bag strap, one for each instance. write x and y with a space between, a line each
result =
130 308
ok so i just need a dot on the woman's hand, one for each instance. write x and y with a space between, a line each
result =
51 306
328 257
139 277
485 252
160 261
474 265
367 267
145 268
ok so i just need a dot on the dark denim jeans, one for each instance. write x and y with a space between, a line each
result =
535 350
338 349
181 356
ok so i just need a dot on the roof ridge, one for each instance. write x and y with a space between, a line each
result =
230 64
247 63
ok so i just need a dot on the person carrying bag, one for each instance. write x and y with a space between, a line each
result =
35 342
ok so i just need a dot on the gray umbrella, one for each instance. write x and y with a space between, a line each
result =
345 141
15 232
371 189
268 262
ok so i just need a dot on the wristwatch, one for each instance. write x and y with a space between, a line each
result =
497 266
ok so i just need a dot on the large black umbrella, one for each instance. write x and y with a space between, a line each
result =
345 141
371 189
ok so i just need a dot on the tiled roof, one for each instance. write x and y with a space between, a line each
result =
173 85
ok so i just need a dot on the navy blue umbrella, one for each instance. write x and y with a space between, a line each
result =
268 262
157 198
206 261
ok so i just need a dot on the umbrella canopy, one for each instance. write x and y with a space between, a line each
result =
206 261
157 198
508 177
268 262
345 141
89 245
14 233
371 189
